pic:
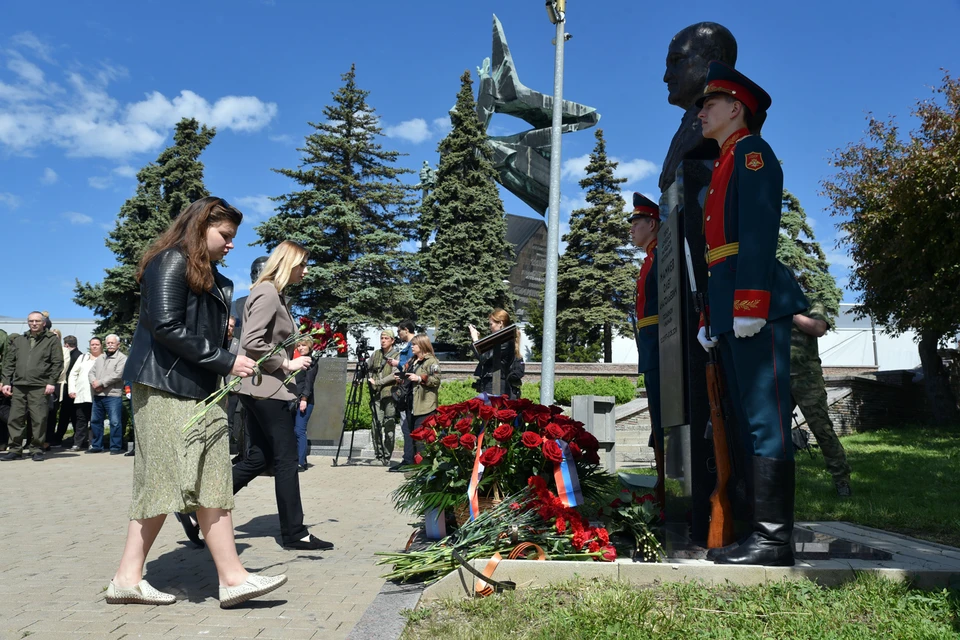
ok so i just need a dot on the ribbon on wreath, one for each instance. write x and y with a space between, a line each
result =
565 475
473 499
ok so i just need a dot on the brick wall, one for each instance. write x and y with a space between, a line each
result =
876 404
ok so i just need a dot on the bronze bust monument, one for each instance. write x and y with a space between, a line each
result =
690 51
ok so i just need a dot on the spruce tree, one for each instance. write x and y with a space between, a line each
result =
596 275
164 188
797 248
466 267
352 213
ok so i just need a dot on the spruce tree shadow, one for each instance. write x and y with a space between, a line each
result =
187 572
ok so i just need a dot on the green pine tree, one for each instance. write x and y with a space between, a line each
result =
352 213
164 188
596 274
797 248
466 267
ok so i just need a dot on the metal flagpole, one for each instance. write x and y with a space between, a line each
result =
556 10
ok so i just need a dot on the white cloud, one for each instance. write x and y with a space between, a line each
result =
415 131
86 121
568 204
259 206
9 200
284 138
575 168
635 170
27 40
100 182
125 171
49 176
77 218
442 125
840 259
237 113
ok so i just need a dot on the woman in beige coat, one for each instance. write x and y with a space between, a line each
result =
266 323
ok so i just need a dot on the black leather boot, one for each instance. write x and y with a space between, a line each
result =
771 543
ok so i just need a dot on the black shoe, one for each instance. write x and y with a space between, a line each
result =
130 453
397 467
11 456
38 456
94 451
192 530
313 543
771 543
301 468
116 453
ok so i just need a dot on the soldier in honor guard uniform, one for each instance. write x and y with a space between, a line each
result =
644 225
752 300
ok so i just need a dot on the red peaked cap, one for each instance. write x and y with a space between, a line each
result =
644 207
722 78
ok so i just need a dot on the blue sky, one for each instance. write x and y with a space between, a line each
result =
89 95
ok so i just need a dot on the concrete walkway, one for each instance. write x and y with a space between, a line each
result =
62 529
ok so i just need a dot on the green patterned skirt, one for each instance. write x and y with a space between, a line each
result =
175 471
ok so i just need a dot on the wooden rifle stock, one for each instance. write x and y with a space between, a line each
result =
720 533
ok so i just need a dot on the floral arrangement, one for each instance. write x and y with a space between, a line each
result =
534 515
518 440
323 337
636 514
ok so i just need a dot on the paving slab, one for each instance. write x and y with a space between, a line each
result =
62 529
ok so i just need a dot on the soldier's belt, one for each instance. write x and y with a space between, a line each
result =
646 322
723 251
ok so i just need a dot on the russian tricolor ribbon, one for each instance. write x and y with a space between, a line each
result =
565 474
472 496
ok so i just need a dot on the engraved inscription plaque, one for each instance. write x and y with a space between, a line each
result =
330 395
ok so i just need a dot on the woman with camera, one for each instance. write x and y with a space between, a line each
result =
266 323
504 357
422 378
303 405
177 358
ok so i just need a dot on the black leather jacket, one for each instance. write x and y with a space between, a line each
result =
180 345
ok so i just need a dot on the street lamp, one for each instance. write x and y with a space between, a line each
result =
556 11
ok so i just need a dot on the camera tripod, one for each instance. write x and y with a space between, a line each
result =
351 416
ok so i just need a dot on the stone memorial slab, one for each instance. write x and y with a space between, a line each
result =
330 404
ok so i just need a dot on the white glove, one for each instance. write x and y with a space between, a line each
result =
746 327
704 342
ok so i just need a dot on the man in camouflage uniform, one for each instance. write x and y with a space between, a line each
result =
810 394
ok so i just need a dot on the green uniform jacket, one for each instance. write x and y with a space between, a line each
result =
382 372
32 367
804 350
425 394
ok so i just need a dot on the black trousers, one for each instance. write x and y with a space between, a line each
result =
81 424
270 427
55 433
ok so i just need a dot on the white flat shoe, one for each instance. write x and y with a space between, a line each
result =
255 586
143 593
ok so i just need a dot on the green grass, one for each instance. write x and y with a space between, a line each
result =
868 608
905 480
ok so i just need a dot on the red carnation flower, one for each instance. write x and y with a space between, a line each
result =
602 535
451 441
417 458
468 441
492 456
486 412
506 415
531 439
555 431
593 547
579 539
647 498
515 506
551 451
561 524
463 425
503 432
537 483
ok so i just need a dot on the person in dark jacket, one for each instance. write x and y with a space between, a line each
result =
504 357
178 357
31 366
303 405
